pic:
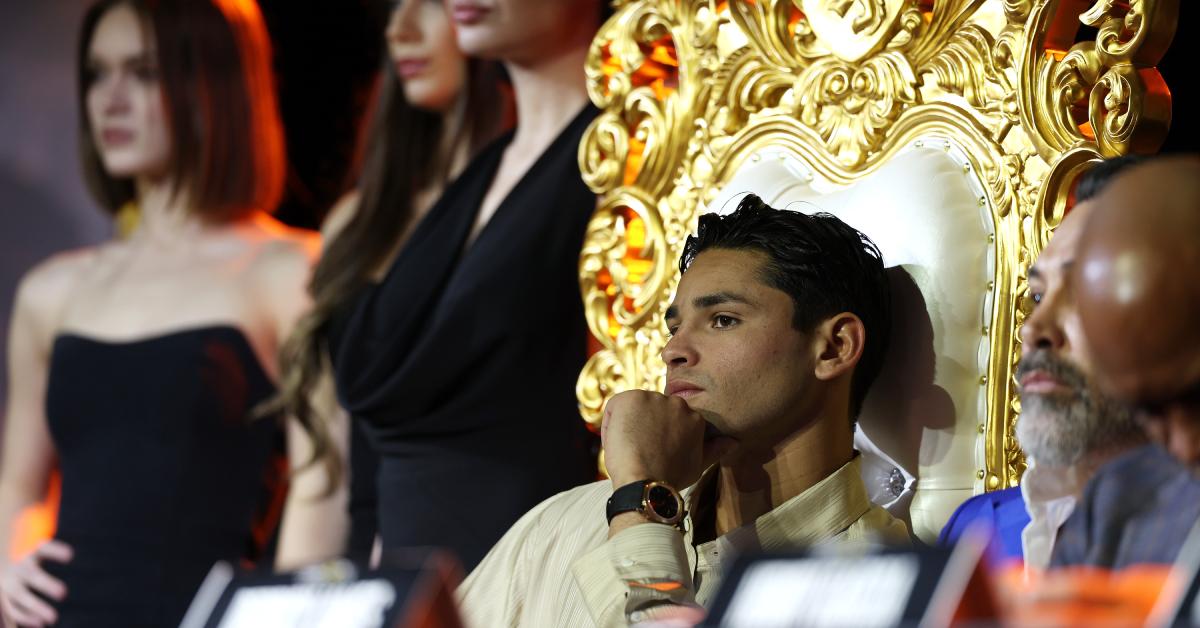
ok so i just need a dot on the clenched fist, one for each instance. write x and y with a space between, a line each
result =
648 435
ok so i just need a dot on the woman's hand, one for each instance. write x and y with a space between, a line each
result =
22 581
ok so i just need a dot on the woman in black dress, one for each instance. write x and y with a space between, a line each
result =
460 361
435 110
136 365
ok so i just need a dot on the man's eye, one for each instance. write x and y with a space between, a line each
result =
724 320
1036 297
671 329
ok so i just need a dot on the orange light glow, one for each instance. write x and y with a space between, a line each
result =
633 163
36 523
659 71
794 20
658 586
1083 596
637 267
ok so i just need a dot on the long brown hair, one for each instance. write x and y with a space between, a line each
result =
214 63
403 155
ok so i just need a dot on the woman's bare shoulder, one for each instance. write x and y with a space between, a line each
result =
58 273
282 264
45 289
280 248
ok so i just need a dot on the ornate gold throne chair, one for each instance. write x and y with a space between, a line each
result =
949 131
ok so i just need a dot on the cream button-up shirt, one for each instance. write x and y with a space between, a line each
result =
557 567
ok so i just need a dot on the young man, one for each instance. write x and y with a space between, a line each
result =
778 328
1068 428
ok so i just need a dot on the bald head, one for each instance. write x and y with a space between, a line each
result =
1138 281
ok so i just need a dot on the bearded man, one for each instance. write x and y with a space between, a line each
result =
1067 427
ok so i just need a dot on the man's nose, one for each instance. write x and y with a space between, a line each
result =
679 351
1042 329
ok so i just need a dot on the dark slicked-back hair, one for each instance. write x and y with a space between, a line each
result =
826 266
1092 182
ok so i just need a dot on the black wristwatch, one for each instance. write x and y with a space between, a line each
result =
657 501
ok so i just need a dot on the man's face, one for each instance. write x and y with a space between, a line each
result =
733 355
1063 415
1136 283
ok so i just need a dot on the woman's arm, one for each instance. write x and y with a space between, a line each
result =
28 453
315 519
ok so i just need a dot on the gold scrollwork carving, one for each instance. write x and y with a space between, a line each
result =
688 88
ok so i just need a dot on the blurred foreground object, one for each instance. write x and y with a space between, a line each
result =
416 594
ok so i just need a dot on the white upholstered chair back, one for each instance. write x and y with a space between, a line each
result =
923 413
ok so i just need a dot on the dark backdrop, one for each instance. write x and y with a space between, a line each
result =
326 54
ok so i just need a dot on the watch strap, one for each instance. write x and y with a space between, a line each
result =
627 498
657 501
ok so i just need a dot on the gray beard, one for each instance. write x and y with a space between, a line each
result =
1059 430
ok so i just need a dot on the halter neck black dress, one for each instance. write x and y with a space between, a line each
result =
461 364
163 470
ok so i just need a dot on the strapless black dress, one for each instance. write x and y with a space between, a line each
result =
163 471
461 364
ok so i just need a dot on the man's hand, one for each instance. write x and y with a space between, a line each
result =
649 436
21 581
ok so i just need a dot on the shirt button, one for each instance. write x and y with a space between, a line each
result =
637 616
627 562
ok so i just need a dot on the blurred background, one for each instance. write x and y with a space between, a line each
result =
327 53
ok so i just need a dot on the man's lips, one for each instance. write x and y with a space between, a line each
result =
466 13
1040 382
682 389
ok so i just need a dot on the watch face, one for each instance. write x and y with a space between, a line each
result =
662 501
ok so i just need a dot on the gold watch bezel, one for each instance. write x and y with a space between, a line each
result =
648 512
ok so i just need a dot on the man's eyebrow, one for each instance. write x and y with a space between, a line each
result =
717 298
709 300
1065 266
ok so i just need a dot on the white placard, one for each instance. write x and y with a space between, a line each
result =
824 591
360 604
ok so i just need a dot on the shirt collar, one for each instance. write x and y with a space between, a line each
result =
825 509
1043 484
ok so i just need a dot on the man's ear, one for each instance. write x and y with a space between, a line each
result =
839 342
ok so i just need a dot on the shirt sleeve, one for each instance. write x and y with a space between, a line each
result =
494 594
635 576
